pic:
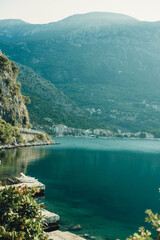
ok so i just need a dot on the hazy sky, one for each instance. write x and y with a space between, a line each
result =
44 11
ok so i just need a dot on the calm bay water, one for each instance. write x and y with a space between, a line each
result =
104 185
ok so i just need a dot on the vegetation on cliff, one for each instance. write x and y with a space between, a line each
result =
12 102
13 112
9 134
41 137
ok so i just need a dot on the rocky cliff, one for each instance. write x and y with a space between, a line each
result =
12 102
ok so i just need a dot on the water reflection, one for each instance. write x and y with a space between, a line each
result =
15 161
103 185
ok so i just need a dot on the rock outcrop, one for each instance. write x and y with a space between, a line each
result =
12 102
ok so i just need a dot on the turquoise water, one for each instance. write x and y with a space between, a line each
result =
104 185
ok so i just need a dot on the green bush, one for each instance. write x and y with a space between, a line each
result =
26 99
8 133
15 69
43 137
20 215
4 62
142 135
142 235
16 89
9 82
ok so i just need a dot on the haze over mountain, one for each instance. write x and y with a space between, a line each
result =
107 63
49 105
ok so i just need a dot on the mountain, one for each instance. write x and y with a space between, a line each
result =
18 29
106 63
49 105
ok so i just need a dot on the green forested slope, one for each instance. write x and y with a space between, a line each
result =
50 106
108 62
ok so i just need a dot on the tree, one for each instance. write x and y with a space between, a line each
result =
142 135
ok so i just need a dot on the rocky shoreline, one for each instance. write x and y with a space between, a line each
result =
41 143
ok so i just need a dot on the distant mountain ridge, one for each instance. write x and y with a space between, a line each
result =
103 61
12 22
71 23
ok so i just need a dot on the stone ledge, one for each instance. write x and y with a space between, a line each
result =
58 235
50 217
26 181
5 147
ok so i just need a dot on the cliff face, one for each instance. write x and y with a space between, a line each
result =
12 102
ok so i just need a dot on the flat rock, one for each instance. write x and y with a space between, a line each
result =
75 228
87 236
58 235
50 217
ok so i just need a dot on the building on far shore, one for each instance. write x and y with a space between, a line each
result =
61 130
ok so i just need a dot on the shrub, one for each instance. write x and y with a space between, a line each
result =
16 89
143 235
20 215
15 69
142 135
43 137
8 133
9 82
4 62
26 99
